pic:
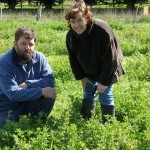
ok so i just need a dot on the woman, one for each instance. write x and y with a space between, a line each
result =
94 56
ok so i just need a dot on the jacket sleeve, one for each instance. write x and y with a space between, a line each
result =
75 66
10 89
110 53
109 60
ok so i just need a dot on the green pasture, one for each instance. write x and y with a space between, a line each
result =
64 128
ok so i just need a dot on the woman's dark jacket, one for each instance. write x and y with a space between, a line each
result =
95 53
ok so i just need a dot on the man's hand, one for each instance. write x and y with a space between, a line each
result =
84 82
101 88
23 85
49 92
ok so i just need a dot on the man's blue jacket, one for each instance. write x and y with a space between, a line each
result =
37 74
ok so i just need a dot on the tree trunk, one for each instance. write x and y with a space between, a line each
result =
12 4
48 4
29 1
131 4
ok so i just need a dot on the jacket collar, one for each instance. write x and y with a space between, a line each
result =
86 32
18 61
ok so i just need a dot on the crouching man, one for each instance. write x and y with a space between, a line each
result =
26 79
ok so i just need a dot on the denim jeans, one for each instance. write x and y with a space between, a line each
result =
105 98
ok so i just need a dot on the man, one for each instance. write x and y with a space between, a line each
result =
26 79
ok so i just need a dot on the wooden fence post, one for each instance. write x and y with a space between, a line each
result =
146 10
39 11
1 15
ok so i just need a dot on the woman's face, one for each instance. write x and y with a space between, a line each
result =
79 23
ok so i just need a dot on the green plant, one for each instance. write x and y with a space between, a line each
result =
65 128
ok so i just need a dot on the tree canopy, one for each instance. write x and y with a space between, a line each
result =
49 3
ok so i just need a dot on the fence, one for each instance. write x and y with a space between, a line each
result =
1 14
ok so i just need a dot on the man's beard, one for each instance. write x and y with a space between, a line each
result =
24 56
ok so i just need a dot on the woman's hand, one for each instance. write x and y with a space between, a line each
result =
84 82
101 88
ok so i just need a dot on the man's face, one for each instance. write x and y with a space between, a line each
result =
24 48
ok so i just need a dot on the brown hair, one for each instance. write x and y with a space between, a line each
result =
78 6
26 32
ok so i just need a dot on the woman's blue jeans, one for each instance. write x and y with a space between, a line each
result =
105 98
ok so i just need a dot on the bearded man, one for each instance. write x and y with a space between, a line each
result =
26 80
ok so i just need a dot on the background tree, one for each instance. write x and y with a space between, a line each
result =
11 3
29 2
48 3
90 2
129 3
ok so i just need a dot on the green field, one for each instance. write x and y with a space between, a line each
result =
64 128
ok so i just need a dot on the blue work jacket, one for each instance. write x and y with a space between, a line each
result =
37 74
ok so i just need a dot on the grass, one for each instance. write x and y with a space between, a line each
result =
64 128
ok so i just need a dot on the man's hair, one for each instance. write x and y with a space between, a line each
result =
26 32
78 6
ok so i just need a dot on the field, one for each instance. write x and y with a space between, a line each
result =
64 128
